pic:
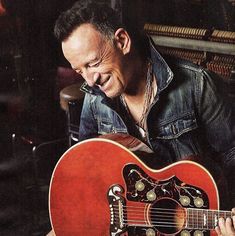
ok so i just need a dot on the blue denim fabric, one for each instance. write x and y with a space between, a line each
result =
190 116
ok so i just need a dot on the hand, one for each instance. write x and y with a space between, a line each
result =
226 227
51 233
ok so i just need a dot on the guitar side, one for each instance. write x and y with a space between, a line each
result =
83 176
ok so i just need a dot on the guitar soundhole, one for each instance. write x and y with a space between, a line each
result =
167 216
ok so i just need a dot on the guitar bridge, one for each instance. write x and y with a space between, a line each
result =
117 212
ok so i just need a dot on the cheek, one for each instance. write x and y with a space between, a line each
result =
119 82
118 76
114 69
110 69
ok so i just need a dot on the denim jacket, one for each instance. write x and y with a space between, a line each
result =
189 116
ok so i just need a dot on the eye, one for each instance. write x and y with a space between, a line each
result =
94 64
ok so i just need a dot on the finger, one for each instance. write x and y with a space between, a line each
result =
222 226
233 211
218 231
229 226
51 233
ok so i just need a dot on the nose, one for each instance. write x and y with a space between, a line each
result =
91 77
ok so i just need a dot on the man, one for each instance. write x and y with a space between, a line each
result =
174 106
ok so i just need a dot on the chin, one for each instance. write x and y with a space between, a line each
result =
112 94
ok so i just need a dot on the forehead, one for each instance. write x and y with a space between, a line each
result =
83 42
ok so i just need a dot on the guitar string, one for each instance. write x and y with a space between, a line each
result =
168 225
172 221
169 210
191 219
163 223
169 214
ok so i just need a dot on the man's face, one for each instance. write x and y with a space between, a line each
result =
100 62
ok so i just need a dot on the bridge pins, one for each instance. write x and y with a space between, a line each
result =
184 200
150 232
198 233
185 233
139 185
198 202
151 195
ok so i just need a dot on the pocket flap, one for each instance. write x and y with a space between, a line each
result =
175 128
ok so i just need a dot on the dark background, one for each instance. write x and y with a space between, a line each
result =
30 80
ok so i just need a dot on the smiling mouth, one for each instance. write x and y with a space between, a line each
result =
103 82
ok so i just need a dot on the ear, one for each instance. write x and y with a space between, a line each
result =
123 40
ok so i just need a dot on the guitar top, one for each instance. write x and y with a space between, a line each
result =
99 187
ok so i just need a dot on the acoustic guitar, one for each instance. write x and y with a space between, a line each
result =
100 187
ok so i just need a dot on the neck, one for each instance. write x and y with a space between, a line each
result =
137 102
135 90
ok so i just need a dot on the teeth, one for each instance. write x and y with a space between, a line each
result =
105 81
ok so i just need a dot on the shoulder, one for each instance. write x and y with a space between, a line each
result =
180 65
192 80
193 73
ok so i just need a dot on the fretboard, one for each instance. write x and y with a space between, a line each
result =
204 219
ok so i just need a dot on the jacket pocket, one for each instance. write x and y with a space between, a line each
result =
105 127
176 127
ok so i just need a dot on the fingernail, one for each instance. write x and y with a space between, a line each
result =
221 220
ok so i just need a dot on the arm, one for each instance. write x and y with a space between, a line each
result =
216 113
217 117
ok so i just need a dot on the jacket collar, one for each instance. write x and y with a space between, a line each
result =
161 70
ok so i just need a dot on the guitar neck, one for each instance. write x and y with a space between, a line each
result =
204 219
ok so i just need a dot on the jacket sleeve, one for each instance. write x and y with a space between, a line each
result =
216 112
88 124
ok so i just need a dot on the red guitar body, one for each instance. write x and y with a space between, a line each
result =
97 175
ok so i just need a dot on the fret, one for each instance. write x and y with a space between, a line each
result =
216 218
187 219
210 220
197 220
200 218
190 224
205 219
